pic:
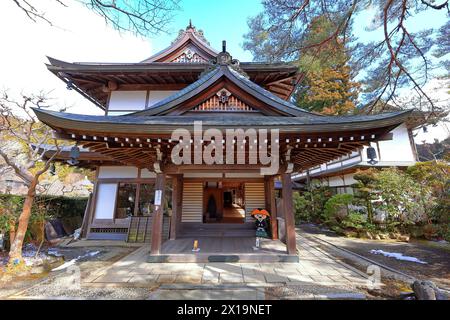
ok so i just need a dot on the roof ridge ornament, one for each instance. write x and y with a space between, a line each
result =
224 58
191 29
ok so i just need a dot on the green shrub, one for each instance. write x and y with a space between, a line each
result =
301 208
69 210
355 221
336 208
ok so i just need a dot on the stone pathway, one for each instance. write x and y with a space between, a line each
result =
315 268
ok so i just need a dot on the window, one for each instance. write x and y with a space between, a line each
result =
126 199
146 199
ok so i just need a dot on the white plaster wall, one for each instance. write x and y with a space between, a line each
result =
397 149
104 208
145 173
127 100
349 179
351 160
334 165
156 96
335 181
117 172
338 182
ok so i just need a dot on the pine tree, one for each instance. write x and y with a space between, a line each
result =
327 85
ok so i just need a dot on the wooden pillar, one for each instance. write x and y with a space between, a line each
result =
180 204
93 204
157 221
288 207
271 206
177 185
86 217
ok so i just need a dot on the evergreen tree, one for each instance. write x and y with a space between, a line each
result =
327 85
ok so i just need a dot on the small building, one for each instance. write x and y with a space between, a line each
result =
192 142
400 152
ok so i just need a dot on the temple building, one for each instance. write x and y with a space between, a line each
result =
399 152
192 142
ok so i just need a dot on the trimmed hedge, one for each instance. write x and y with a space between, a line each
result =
51 206
69 210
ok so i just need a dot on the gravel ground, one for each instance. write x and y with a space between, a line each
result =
437 255
61 284
308 291
61 287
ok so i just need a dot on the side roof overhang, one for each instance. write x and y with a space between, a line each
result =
86 159
164 125
91 79
218 73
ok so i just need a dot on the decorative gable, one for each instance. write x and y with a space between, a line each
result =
223 101
189 47
190 55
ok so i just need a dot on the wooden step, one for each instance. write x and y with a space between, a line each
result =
190 230
208 258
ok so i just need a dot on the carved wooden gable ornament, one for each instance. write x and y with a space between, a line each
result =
190 55
223 101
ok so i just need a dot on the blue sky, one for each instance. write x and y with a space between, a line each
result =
93 41
220 20
227 20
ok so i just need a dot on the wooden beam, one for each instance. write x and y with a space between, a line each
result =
157 221
271 205
288 207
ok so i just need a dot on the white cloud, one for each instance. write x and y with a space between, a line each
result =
77 34
438 91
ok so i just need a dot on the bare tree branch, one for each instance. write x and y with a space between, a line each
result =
142 17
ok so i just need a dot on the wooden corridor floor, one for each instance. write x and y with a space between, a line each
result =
233 214
223 245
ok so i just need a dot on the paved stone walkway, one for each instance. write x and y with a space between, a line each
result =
315 268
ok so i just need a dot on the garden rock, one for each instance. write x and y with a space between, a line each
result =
394 235
384 236
50 232
427 290
367 235
350 234
404 238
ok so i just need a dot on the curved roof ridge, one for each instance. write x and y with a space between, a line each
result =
188 89
190 33
269 94
209 78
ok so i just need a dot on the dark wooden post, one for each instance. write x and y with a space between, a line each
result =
177 185
86 217
157 221
271 206
180 204
288 207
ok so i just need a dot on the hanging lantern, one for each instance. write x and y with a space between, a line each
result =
74 155
371 155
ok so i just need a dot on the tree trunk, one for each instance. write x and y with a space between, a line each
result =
369 211
15 251
12 232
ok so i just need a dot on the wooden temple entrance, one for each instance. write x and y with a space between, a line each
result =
230 234
152 111
223 249
224 202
